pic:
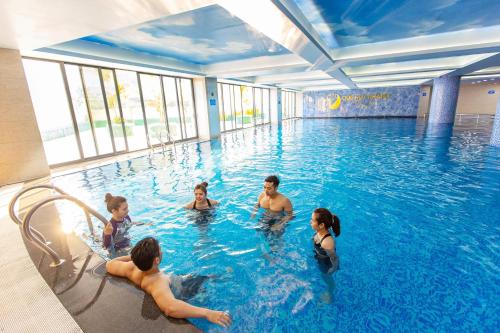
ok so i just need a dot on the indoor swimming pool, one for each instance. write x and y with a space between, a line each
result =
419 211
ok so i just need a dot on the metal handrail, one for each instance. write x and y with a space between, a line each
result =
162 144
27 231
16 197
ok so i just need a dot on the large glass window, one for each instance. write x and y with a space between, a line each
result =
98 115
153 106
174 119
247 95
227 106
242 106
132 109
81 112
114 109
288 101
52 112
258 106
265 105
238 113
86 111
188 108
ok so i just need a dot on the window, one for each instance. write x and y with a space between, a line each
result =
52 110
132 110
87 111
242 106
153 106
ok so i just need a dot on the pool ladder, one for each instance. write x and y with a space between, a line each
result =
163 144
33 235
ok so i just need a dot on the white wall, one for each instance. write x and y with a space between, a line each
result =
474 98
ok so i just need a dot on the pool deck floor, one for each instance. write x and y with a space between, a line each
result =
77 296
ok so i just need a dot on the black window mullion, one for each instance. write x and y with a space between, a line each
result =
143 109
117 90
103 92
89 112
164 104
71 109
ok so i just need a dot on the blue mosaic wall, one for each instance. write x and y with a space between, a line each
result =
376 102
444 100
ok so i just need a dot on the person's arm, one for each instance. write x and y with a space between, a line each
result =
213 202
119 266
189 205
106 235
329 246
179 309
288 209
257 206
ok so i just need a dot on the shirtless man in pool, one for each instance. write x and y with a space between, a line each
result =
275 202
141 267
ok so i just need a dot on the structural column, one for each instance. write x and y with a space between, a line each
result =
22 156
276 106
495 131
207 107
444 100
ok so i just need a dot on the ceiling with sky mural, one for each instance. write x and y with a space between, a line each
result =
342 23
202 36
294 44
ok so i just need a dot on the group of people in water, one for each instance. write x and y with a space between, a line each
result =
142 265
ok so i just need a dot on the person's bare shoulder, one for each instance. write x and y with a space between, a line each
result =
328 243
159 286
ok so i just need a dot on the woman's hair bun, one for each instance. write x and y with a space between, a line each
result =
204 184
108 197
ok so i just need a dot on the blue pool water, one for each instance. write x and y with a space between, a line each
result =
419 210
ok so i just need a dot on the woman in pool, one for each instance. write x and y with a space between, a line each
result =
201 202
324 243
119 224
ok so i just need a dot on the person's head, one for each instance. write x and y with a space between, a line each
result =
271 184
322 219
146 254
116 205
200 191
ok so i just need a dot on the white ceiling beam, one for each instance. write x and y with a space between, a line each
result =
299 84
267 18
449 63
287 77
89 50
329 87
479 40
245 66
392 83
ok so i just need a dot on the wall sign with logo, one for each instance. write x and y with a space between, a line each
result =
491 92
375 102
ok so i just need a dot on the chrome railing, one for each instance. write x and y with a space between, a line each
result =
35 236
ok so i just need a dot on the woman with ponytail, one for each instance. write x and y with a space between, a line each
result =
119 224
324 243
201 202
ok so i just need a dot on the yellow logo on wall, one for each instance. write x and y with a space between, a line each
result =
335 105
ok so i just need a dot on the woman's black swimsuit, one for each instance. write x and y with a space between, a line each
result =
208 203
326 263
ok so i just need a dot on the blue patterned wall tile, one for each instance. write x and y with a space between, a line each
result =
444 100
376 102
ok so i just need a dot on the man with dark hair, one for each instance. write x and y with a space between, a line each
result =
141 267
275 202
